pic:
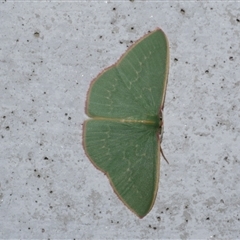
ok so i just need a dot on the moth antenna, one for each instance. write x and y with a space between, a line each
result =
161 151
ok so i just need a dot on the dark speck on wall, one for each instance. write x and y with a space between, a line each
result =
182 11
36 34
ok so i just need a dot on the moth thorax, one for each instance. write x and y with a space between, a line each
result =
160 124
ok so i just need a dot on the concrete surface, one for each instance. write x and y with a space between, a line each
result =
50 52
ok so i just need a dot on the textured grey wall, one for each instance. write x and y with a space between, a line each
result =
50 52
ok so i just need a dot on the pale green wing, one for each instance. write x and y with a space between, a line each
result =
122 139
129 154
133 88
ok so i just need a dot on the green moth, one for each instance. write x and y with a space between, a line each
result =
123 136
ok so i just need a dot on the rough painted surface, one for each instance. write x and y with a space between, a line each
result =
49 54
